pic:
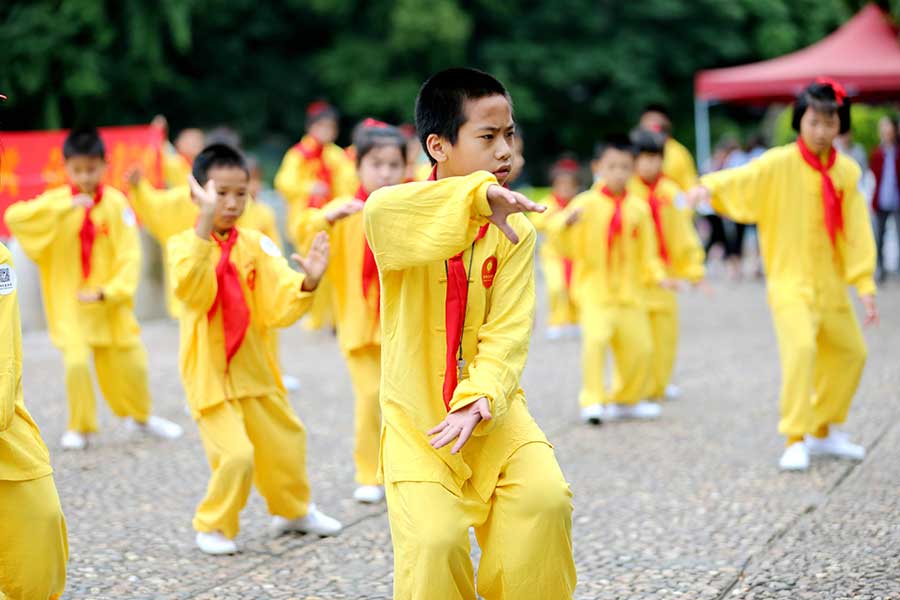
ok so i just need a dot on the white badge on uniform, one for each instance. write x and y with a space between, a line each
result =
128 217
7 280
269 247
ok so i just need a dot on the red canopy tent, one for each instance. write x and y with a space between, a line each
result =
863 55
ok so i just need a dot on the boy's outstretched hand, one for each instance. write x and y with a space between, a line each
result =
459 425
315 262
343 211
698 195
871 308
205 198
505 202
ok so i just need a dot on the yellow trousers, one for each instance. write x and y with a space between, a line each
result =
33 543
121 374
524 531
562 307
625 329
252 441
663 320
822 358
365 374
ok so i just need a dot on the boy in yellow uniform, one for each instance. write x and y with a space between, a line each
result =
33 542
678 164
558 270
609 235
381 161
84 240
236 287
457 304
679 249
815 240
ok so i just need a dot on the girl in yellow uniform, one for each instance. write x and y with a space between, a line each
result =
33 543
815 240
679 249
558 270
457 303
381 161
235 288
312 173
609 235
84 240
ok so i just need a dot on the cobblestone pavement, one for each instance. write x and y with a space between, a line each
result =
690 506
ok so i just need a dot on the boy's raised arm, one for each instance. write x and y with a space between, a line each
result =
35 223
284 294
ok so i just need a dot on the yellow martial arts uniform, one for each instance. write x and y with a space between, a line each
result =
819 339
33 542
358 328
678 164
684 260
176 167
505 481
295 180
247 426
48 229
611 291
563 310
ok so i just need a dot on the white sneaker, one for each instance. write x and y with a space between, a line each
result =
672 392
369 494
161 428
554 333
615 412
645 410
73 440
795 458
315 522
215 543
592 414
572 332
836 444
291 384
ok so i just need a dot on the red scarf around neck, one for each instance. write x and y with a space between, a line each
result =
369 267
567 263
230 296
831 198
313 150
615 222
656 211
88 233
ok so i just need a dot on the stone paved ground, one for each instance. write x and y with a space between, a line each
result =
691 506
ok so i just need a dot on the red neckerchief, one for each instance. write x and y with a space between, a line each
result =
313 149
455 312
369 267
88 232
230 296
656 205
831 198
615 222
567 263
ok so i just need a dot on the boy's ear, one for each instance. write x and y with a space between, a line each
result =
437 147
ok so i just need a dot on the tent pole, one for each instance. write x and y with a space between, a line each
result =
701 126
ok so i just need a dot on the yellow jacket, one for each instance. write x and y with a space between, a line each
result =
356 316
601 278
165 213
23 455
48 230
783 196
296 177
412 229
678 164
176 168
273 294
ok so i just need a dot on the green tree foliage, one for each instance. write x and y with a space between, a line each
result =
576 68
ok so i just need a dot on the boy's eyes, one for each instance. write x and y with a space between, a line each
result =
488 136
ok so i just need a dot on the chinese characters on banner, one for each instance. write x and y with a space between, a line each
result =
32 161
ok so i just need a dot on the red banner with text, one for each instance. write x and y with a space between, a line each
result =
32 161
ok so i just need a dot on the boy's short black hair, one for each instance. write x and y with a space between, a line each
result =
647 142
85 141
370 134
440 105
821 96
217 155
614 141
320 110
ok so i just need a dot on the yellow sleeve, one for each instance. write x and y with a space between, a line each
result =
127 261
564 239
503 338
10 350
312 220
278 292
686 171
269 224
155 207
419 223
193 271
653 267
736 192
35 223
344 180
688 260
290 180
857 244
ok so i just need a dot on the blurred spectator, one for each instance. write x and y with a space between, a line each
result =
885 161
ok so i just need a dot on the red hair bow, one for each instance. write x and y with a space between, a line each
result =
317 108
374 124
839 92
566 164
